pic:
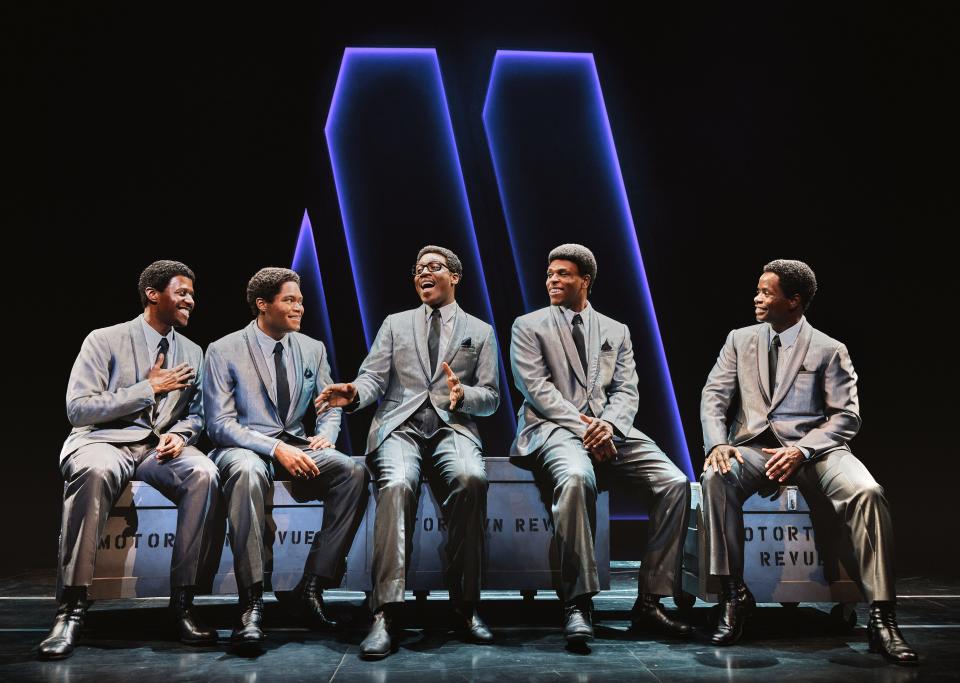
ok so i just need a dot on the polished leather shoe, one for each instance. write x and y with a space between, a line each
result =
309 596
66 625
469 621
578 626
736 604
648 615
884 635
377 644
248 636
191 631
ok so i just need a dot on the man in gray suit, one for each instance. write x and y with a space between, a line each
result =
435 367
796 410
134 400
576 372
259 382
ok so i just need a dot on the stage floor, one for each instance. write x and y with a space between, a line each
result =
127 640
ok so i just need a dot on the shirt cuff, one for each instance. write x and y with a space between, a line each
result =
807 452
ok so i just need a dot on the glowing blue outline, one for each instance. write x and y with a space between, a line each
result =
614 159
389 52
305 258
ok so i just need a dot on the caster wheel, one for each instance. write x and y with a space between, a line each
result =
684 600
844 617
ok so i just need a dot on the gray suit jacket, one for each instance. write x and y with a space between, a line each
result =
109 398
815 405
240 400
397 369
548 372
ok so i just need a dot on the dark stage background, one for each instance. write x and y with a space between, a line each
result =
743 135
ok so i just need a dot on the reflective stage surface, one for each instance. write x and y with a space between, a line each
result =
129 640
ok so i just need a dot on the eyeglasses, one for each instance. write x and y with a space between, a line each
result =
433 267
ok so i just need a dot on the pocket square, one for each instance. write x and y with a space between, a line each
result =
466 343
606 346
308 373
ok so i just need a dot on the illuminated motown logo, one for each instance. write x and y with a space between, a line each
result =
397 171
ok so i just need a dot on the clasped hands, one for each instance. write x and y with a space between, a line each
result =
598 439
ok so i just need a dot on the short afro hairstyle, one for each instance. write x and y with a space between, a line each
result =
266 284
453 261
579 254
796 277
158 275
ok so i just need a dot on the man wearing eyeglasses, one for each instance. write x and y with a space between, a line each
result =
435 367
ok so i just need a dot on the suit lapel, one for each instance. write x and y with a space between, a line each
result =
296 354
796 361
419 319
569 347
259 363
763 360
141 354
456 338
593 348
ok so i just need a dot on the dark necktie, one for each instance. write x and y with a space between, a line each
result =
163 347
580 341
433 340
774 358
283 386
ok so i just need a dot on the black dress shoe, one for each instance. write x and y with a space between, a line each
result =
469 621
577 625
248 636
377 644
66 625
309 596
736 604
191 631
648 615
884 635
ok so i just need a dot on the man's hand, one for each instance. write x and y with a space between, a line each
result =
784 463
453 383
165 380
605 451
318 443
296 462
719 458
335 396
598 439
170 446
598 431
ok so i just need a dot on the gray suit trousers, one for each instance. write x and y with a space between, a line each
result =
641 470
97 473
846 504
458 478
247 482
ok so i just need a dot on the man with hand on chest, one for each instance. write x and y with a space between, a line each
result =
435 367
135 402
260 381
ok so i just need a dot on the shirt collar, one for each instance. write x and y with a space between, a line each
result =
447 312
268 343
789 336
570 313
153 337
